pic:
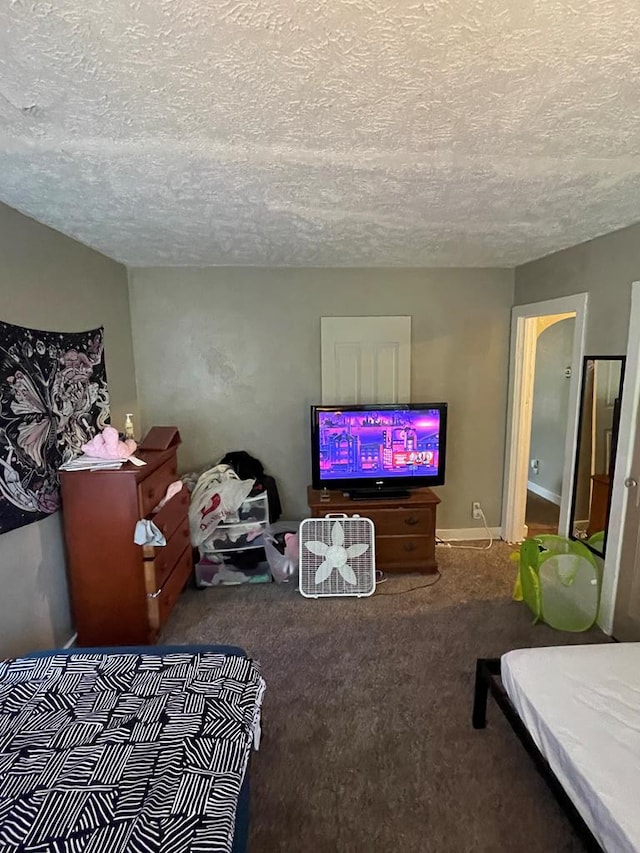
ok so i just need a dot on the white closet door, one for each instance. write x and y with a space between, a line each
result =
626 618
366 360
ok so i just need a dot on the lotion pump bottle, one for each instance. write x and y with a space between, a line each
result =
128 426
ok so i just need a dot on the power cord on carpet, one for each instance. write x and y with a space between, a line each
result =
384 578
446 544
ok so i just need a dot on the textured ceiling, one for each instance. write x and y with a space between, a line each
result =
322 132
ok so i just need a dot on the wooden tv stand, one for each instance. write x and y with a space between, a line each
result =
405 527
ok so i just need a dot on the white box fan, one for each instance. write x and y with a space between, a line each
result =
337 556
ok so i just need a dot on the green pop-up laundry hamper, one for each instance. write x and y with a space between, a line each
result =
560 581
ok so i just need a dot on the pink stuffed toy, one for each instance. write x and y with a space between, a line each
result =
107 445
291 547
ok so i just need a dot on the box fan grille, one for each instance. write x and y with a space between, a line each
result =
337 556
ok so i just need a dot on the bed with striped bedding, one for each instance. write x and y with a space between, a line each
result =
109 751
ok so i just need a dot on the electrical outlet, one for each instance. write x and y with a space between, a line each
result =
476 510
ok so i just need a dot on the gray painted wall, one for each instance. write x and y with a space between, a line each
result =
605 268
551 405
49 281
232 356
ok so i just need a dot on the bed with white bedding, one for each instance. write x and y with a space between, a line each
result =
579 708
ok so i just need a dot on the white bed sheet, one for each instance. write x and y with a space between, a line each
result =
581 705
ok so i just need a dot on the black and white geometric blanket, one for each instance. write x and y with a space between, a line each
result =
109 753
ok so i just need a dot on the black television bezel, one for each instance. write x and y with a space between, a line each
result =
353 484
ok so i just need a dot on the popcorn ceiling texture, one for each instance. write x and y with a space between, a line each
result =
322 132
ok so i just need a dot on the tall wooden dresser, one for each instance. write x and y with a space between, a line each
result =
122 593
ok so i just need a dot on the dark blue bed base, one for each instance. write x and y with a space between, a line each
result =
241 831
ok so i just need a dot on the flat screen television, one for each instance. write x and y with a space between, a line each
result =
378 450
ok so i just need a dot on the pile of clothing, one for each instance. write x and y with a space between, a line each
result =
248 467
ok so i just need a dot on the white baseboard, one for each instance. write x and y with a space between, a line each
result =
460 534
547 494
70 642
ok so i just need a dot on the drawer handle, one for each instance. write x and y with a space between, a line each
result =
409 546
411 521
155 594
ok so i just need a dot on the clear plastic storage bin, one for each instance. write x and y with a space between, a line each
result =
254 509
234 552
236 537
220 570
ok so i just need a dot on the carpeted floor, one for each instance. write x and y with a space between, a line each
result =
368 744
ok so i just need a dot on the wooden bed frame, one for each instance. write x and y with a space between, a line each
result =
487 681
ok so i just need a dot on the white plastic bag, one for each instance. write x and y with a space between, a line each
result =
218 493
281 548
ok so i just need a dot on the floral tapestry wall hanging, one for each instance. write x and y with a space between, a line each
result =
53 398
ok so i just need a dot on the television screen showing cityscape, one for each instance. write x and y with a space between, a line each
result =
392 443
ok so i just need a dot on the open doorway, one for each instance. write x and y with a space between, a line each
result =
528 323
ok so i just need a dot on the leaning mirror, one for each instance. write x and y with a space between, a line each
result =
602 378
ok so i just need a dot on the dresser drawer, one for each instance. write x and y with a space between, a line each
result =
161 601
161 560
152 489
411 552
400 522
172 514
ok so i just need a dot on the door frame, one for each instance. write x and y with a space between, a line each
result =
519 409
627 437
